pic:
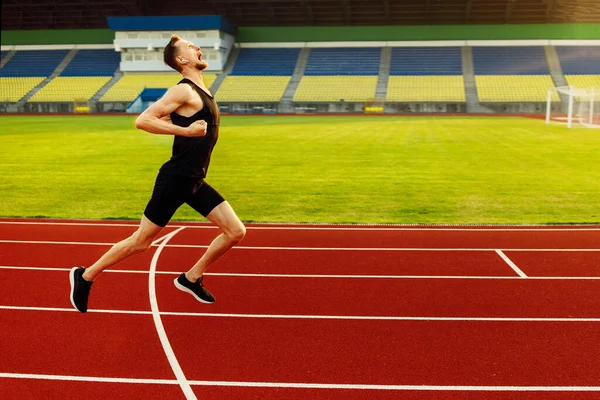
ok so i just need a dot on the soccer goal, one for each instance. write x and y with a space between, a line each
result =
579 106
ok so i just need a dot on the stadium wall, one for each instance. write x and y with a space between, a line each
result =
336 33
415 32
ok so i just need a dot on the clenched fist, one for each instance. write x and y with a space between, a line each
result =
198 128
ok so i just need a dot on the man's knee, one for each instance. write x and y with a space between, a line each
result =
140 244
236 233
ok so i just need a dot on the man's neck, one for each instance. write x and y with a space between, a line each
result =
194 76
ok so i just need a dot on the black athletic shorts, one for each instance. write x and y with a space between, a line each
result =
171 191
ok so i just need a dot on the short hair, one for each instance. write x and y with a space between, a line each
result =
169 53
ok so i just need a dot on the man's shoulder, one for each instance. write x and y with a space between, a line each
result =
181 90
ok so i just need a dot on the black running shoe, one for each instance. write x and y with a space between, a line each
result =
196 289
80 289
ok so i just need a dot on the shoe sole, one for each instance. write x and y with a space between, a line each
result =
184 289
72 281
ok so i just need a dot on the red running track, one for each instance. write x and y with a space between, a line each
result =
306 312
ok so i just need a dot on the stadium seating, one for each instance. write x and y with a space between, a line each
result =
253 88
265 62
14 89
581 65
102 62
334 74
336 88
584 81
521 88
69 89
355 61
436 61
259 75
426 88
512 74
131 85
33 63
579 60
428 74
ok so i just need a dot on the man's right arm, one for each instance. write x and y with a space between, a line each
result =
153 119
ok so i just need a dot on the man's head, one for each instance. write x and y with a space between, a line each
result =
180 55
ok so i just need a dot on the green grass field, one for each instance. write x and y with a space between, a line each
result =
433 170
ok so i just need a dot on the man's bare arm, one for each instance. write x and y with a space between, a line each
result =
155 119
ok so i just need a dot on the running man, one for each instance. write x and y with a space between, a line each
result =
189 112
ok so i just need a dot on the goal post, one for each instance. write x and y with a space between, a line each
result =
579 106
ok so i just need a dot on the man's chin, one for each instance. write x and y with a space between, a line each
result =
201 66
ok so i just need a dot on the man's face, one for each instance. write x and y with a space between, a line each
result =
190 55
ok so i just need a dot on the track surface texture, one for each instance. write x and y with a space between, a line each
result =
304 312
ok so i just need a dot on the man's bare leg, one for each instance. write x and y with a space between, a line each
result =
233 231
140 241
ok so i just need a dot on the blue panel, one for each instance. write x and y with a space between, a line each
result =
579 60
426 61
176 23
153 94
343 61
93 63
530 60
278 62
33 63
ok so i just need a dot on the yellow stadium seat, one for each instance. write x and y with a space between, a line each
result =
131 85
336 88
70 88
253 88
584 81
514 88
14 89
426 88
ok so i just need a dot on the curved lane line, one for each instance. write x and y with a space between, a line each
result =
160 329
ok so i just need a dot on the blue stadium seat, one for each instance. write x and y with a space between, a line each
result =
343 61
33 63
420 61
103 62
579 60
507 60
265 62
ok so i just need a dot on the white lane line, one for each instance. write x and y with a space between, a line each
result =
160 329
401 387
339 227
88 378
160 239
58 309
299 385
326 276
511 264
311 317
56 242
117 224
437 249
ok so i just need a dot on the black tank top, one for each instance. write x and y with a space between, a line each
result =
191 155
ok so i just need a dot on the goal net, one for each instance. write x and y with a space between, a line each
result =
577 106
